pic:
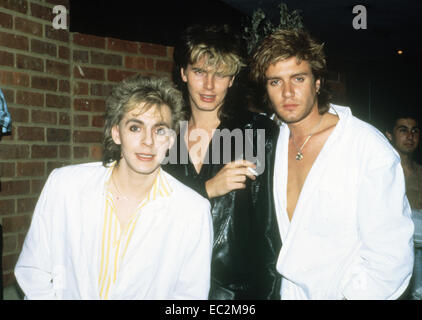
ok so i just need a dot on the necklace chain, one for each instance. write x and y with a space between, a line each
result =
299 155
120 196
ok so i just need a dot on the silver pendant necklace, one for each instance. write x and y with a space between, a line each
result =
299 155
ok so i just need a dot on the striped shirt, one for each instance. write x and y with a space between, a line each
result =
114 241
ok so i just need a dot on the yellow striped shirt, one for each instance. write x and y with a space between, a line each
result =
114 242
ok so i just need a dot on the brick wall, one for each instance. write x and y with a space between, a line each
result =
55 83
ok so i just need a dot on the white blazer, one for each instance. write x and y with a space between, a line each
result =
351 232
168 256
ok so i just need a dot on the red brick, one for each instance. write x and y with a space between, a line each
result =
42 12
54 165
30 134
55 101
80 56
58 135
7 59
19 115
65 152
139 63
106 59
64 53
80 152
81 121
10 243
14 41
96 152
170 52
27 205
6 20
42 47
81 88
122 45
59 35
37 185
58 68
14 188
165 66
64 86
7 169
153 49
44 83
96 105
87 40
9 95
15 224
89 73
87 136
30 169
28 26
118 75
98 121
38 116
41 152
64 119
7 206
14 78
28 62
30 98
15 5
13 151
103 90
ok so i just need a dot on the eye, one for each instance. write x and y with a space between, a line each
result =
300 79
198 72
415 130
161 131
274 82
134 128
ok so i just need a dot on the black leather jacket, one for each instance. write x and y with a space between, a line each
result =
246 237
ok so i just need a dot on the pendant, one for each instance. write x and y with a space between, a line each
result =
299 156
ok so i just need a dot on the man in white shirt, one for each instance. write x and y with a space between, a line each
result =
121 229
343 216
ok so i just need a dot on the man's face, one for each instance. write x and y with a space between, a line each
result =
145 137
405 135
291 88
207 88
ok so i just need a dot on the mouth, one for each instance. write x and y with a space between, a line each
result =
207 98
145 156
290 106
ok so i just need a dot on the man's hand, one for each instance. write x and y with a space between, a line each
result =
231 177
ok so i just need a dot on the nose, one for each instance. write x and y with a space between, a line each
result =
288 90
147 138
209 81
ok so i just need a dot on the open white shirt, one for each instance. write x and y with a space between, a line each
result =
351 232
168 257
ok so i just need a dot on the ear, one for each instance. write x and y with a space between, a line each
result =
317 85
115 134
183 75
389 136
231 81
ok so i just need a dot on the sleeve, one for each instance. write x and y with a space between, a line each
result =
33 270
384 264
195 275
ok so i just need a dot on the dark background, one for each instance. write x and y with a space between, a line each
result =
377 79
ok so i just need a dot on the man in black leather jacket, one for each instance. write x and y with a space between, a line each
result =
246 237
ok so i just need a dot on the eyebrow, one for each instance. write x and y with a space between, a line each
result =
406 127
292 76
158 124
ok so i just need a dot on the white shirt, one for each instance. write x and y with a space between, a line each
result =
168 256
351 232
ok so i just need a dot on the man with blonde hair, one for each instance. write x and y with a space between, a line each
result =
339 189
121 229
226 154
